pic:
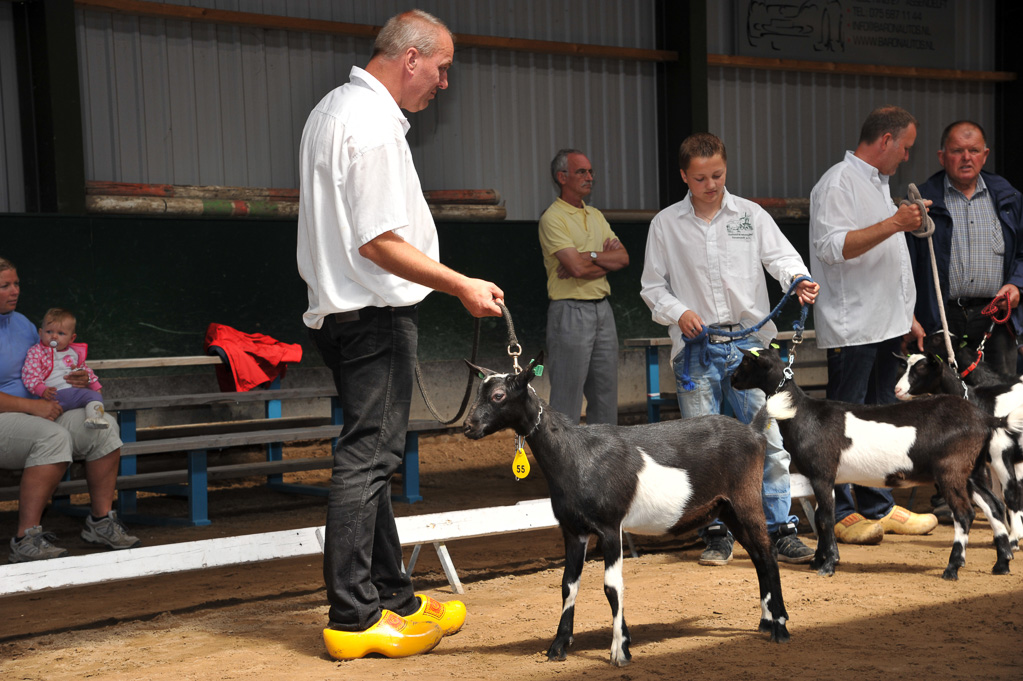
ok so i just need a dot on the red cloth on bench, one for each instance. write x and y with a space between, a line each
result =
254 359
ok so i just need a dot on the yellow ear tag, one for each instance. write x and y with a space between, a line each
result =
520 466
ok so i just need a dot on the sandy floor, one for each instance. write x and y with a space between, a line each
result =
885 614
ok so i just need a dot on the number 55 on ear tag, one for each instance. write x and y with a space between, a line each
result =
520 466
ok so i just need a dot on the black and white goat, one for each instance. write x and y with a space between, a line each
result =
929 375
940 439
974 370
668 477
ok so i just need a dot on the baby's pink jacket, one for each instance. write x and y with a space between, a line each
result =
39 365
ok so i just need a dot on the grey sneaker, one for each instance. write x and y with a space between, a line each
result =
719 546
790 548
35 545
109 532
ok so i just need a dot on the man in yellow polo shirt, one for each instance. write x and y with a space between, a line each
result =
579 249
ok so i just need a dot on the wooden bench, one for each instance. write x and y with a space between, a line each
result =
192 481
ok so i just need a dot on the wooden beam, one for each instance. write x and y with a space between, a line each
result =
807 66
148 362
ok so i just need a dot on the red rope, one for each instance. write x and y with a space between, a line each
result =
992 309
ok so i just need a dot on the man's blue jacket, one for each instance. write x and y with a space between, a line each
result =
1009 206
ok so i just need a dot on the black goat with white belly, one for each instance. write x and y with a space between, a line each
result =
940 439
673 476
928 375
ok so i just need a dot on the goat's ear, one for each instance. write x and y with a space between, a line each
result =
480 371
532 370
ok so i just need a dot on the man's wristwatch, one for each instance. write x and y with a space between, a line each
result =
593 255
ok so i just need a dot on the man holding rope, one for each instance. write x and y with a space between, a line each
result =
865 315
367 250
978 246
704 271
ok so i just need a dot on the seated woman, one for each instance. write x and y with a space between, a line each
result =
37 437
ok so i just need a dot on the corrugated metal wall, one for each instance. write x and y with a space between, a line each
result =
194 103
191 103
783 130
12 179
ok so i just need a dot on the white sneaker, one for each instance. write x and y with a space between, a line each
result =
94 416
109 532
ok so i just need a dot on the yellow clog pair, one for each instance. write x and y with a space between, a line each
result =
396 636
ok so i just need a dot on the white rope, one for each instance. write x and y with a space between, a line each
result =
925 230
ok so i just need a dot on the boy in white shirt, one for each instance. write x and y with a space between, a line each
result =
704 266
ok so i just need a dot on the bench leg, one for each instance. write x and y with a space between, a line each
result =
412 561
127 422
127 500
632 545
198 491
808 509
653 385
449 567
409 470
274 450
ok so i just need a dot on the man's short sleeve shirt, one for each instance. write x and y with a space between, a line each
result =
357 181
584 229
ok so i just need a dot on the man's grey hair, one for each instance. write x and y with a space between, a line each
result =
560 164
414 28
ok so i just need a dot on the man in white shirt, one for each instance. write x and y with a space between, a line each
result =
704 266
859 256
367 250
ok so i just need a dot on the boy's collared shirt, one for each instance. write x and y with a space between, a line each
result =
715 269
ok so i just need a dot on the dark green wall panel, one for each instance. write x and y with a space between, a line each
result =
150 287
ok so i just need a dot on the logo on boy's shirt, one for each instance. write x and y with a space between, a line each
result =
741 229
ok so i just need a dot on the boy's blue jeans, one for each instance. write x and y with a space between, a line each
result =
713 386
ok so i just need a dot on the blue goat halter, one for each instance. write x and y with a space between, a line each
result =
699 342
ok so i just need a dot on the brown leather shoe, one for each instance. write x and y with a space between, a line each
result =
902 521
855 529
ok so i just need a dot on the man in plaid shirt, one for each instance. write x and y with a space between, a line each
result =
978 244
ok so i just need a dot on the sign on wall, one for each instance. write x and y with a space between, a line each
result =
891 32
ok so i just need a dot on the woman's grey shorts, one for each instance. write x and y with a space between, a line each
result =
27 440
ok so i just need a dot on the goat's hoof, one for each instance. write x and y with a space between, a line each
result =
558 651
951 574
780 633
825 565
1000 568
622 660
